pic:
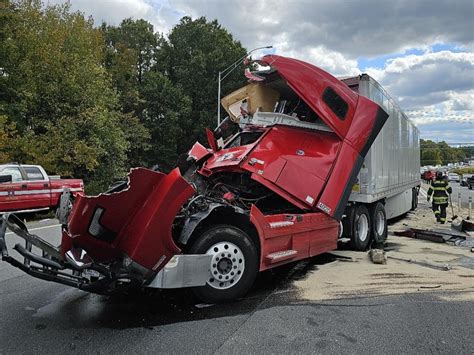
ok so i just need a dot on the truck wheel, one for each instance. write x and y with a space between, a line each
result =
360 236
379 223
233 267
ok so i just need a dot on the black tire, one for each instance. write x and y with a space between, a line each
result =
379 223
219 235
360 228
414 199
470 187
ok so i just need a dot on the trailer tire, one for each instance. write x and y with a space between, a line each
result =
360 228
414 199
236 270
379 223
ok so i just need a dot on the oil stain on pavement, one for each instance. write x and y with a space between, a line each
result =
151 308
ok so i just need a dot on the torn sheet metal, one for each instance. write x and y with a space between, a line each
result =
435 236
463 226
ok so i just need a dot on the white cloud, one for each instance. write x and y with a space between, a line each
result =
436 90
158 13
433 88
331 61
353 28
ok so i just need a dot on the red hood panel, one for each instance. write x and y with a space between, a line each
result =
310 82
136 221
227 158
311 169
295 161
322 167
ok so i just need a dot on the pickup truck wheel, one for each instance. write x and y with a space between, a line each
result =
233 267
379 223
361 228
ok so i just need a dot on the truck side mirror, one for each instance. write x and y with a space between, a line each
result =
5 178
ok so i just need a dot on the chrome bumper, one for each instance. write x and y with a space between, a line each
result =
183 271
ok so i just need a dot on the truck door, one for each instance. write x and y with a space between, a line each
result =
38 192
9 200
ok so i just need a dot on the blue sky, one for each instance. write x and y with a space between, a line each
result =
421 51
380 61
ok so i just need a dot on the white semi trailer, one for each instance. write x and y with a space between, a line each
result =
389 180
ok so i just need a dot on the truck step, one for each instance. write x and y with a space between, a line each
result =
281 255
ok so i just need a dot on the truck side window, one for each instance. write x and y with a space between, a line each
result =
335 103
14 172
33 173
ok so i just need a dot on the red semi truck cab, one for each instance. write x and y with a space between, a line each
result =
31 189
272 193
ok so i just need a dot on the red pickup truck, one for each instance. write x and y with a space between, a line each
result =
29 188
428 175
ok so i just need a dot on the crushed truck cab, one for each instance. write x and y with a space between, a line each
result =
271 193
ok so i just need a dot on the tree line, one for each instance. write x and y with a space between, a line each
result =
91 101
441 153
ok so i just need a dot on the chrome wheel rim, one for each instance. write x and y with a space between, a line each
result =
363 227
227 265
380 223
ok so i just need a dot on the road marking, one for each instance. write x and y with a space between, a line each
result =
423 192
38 228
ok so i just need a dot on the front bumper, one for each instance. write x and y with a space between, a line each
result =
79 270
50 265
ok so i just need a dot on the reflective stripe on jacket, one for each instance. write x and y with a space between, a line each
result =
440 190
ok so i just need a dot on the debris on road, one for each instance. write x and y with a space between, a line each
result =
204 305
431 287
378 256
435 236
463 226
443 267
408 275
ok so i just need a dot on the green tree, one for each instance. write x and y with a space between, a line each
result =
431 156
448 154
441 153
8 135
191 58
129 52
165 110
58 94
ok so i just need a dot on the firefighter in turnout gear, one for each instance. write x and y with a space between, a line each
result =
440 189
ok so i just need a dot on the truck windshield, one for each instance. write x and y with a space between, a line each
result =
225 131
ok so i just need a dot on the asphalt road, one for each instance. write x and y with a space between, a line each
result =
43 317
459 191
463 192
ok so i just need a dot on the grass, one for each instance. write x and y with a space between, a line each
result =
462 171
